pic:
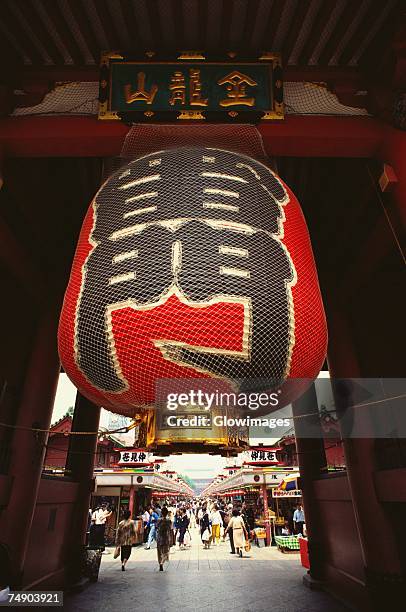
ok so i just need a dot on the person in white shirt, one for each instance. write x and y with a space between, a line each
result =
298 519
216 523
285 531
99 518
145 522
191 517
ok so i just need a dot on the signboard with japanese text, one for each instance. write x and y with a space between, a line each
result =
191 87
159 465
231 469
135 457
260 456
282 493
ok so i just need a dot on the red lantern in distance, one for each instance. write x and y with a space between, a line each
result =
192 263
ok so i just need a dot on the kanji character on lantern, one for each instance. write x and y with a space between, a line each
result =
192 262
121 269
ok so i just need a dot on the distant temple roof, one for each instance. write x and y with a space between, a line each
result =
68 417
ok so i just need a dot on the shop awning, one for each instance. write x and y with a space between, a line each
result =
289 483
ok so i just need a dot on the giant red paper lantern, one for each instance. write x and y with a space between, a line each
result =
191 263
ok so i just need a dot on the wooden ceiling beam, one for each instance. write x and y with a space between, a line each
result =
367 22
108 25
10 21
177 11
343 23
271 28
378 49
315 34
41 32
294 28
81 17
62 28
203 13
250 21
226 18
155 24
130 22
10 57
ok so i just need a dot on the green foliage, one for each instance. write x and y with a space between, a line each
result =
188 480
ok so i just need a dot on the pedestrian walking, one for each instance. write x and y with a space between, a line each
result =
99 518
192 518
145 522
216 524
164 537
183 525
153 519
298 519
240 535
229 530
243 513
199 515
205 529
125 538
176 525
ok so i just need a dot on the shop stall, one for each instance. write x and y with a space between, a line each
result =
130 489
254 486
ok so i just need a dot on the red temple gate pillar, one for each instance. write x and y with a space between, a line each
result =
312 464
383 569
393 152
28 447
80 463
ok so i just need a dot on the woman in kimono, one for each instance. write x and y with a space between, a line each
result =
240 535
164 538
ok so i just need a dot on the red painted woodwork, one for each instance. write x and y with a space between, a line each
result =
35 410
295 136
333 448
15 259
50 533
387 485
392 150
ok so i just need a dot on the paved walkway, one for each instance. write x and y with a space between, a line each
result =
197 579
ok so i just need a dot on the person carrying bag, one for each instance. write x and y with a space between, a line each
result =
240 535
126 534
205 530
